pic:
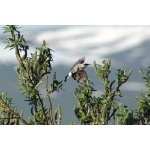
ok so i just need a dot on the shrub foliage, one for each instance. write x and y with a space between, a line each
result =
33 75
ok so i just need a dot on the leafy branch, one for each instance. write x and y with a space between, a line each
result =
33 73
100 110
9 116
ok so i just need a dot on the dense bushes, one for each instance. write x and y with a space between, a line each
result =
33 73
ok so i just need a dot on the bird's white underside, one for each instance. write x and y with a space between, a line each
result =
69 74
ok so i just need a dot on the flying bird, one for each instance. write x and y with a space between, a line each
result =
80 76
77 71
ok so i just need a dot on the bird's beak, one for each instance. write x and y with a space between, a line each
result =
87 64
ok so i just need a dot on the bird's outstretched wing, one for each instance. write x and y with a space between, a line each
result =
80 61
80 76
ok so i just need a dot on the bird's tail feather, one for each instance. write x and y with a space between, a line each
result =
66 78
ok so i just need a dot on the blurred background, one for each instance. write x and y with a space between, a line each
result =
128 47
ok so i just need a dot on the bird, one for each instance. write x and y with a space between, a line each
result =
77 71
80 76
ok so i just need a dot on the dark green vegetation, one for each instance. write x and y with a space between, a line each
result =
33 75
